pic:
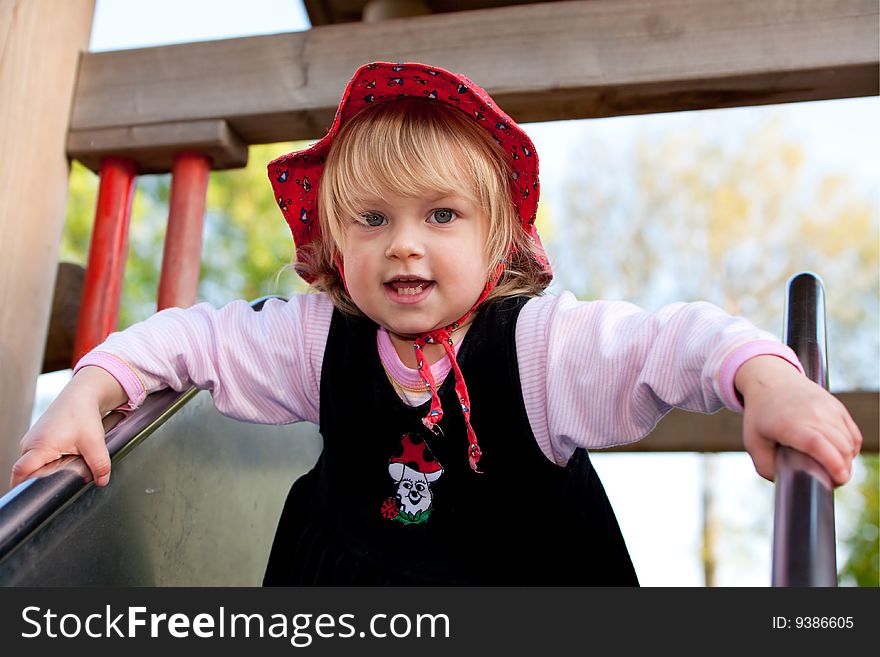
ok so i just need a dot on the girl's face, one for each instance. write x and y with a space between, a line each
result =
416 264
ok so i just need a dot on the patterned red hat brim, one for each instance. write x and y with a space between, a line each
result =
295 177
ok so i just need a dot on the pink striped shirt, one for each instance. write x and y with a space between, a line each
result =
593 374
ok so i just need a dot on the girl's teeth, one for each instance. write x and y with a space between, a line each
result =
409 290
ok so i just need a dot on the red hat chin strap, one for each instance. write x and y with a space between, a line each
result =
443 336
435 414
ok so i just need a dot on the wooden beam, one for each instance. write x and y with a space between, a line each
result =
681 431
557 60
154 145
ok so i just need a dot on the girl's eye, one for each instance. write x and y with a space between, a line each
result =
373 219
443 216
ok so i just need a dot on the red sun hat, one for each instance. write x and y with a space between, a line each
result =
295 177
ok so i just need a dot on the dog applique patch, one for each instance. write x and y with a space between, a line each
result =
413 469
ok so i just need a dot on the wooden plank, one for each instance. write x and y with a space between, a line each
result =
557 60
681 431
154 145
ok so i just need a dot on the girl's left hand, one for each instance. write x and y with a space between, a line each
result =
784 407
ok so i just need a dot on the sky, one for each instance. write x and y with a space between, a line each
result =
656 497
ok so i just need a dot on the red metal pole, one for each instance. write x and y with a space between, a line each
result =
102 290
182 257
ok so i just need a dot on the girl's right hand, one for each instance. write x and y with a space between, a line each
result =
72 425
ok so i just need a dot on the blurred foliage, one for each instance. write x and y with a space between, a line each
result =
862 568
687 216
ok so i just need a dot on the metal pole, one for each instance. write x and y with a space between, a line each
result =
182 257
102 290
803 531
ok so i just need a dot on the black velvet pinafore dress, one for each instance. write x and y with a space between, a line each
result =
390 503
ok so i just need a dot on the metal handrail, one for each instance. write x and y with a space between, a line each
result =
803 529
25 508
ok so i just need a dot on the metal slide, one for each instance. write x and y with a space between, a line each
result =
193 500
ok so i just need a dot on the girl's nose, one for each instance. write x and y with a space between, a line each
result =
404 242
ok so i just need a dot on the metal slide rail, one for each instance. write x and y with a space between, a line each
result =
803 531
25 508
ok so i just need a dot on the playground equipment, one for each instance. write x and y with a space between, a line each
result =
195 497
586 59
803 531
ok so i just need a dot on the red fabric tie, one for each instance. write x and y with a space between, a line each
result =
443 337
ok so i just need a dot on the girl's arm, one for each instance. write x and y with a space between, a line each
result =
598 374
259 366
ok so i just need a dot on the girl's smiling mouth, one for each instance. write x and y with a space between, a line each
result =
408 289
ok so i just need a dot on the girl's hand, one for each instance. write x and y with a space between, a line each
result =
784 407
72 425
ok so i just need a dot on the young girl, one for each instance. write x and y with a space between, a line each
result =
455 400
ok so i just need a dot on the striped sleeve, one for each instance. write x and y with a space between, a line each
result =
603 373
262 367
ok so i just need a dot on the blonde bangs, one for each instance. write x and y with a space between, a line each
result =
414 147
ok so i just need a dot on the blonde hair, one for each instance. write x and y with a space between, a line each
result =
419 146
